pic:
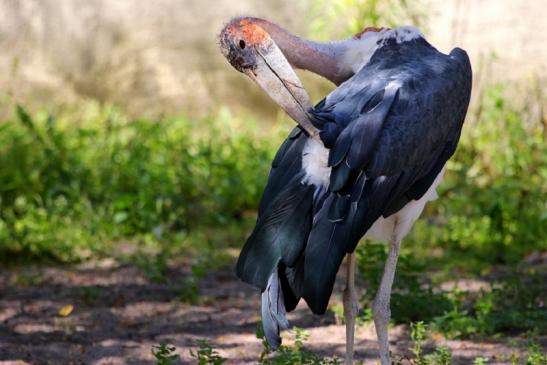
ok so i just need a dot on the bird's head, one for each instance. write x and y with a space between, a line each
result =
251 50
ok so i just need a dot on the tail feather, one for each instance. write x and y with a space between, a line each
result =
273 311
325 249
292 281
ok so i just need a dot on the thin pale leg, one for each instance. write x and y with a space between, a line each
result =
380 307
350 307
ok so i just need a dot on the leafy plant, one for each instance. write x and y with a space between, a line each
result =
481 360
291 355
188 291
154 266
90 294
206 354
72 184
418 334
536 356
441 356
514 304
164 354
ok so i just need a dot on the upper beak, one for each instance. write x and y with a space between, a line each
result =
276 77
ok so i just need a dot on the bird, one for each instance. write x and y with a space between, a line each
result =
361 163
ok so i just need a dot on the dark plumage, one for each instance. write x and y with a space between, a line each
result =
390 129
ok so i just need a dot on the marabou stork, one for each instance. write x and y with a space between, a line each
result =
362 163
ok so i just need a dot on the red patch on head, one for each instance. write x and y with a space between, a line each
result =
246 30
252 33
368 29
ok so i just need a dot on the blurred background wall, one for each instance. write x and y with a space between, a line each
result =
161 57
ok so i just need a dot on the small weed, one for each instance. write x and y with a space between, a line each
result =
514 358
418 334
365 316
338 310
188 291
206 354
164 354
154 266
90 294
536 356
28 280
291 355
481 360
441 356
456 322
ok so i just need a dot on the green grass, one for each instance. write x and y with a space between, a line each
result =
72 184
513 303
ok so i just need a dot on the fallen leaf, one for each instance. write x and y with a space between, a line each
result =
438 337
66 310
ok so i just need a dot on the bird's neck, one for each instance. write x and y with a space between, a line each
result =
339 60
325 59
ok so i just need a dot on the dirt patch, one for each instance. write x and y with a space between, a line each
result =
118 314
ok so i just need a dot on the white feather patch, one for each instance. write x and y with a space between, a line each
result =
399 224
401 34
359 51
315 160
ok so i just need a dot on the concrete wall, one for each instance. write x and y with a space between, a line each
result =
506 38
151 56
161 57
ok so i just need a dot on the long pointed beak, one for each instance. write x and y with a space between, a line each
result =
276 77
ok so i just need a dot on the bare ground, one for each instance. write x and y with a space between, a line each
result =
119 314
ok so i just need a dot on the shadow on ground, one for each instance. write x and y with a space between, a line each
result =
119 314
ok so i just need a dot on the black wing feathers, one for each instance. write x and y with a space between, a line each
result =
389 140
367 128
286 164
279 235
324 253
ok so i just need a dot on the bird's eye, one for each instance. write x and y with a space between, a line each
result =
242 44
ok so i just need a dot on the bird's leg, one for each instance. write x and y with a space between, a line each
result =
350 307
380 307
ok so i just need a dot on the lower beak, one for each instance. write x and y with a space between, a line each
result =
276 77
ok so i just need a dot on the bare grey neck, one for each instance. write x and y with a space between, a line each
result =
320 58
